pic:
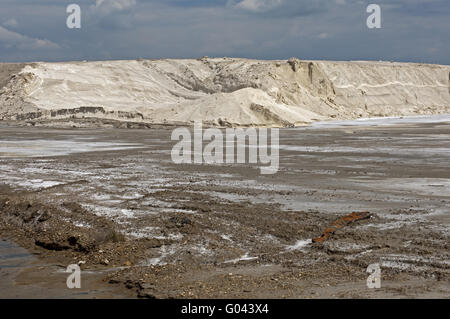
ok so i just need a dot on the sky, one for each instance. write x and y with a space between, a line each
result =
411 30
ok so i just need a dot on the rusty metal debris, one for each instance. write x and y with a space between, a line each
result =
341 222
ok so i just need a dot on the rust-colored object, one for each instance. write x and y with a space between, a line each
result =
341 222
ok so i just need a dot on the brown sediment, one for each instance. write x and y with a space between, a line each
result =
162 230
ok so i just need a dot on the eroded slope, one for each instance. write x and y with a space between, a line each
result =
222 91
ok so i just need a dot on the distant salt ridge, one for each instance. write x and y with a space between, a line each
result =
223 91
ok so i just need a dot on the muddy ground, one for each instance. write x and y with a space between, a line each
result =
113 201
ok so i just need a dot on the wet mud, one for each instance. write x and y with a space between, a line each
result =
112 201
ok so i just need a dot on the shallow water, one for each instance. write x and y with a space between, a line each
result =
25 276
13 256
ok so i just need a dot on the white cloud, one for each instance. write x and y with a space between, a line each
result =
258 5
281 8
10 39
108 6
11 23
112 14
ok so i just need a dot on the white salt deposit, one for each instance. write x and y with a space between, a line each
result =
227 91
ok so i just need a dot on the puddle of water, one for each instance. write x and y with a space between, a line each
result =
13 256
16 262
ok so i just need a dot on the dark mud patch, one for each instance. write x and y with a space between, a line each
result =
53 229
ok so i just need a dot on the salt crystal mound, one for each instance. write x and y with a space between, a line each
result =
222 91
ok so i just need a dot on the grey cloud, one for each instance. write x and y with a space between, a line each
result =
106 7
13 40
313 29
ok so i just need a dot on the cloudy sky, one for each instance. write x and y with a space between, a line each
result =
412 30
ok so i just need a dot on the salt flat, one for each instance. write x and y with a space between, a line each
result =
199 223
